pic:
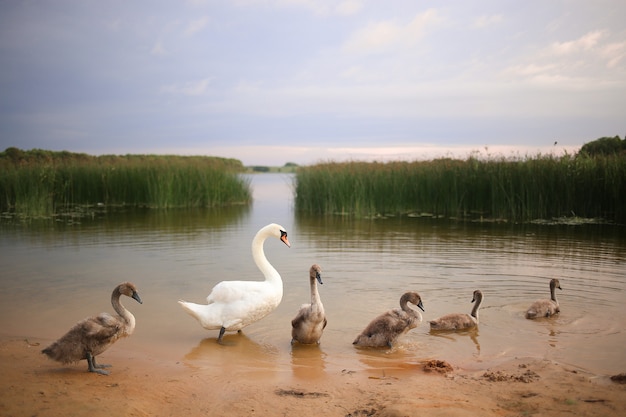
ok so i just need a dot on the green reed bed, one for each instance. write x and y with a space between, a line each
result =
525 189
41 183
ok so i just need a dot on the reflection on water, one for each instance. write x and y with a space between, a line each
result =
237 350
382 361
453 336
54 275
308 361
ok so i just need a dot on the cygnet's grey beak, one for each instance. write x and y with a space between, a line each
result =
136 297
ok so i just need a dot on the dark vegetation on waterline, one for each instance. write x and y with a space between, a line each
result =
288 168
40 183
590 184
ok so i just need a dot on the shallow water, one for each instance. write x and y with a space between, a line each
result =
54 275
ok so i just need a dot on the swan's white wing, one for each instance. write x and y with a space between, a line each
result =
233 291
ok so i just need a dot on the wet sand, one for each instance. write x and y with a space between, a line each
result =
139 385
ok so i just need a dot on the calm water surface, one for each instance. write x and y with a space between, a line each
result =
53 276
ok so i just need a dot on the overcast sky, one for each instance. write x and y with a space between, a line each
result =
276 81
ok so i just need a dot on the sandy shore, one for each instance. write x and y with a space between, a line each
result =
32 385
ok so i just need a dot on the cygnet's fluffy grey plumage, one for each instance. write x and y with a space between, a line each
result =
93 335
385 329
309 323
545 308
459 321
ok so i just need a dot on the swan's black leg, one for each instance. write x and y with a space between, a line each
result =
91 363
219 338
98 365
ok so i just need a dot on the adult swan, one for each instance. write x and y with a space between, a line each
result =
232 305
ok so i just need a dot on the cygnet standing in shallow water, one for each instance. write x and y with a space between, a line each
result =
309 323
545 308
92 336
458 321
232 305
385 329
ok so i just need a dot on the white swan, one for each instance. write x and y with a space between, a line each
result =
232 305
94 335
458 321
545 308
309 323
385 329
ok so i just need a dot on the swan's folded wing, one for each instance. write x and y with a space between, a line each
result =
301 316
298 320
231 291
395 321
378 325
401 325
103 326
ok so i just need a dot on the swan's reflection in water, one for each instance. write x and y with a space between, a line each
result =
237 354
381 361
456 335
308 361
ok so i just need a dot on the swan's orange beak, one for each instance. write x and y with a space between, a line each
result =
283 237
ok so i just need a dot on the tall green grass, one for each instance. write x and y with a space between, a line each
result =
42 183
541 187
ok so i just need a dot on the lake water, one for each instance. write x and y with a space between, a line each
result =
53 275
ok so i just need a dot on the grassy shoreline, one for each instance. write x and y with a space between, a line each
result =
522 190
40 184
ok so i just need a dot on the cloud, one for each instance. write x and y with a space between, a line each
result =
485 21
318 73
114 25
584 43
379 36
348 7
614 53
528 70
588 63
591 49
318 7
196 26
192 88
158 49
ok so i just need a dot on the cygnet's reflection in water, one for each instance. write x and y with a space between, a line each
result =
382 361
308 361
237 354
454 335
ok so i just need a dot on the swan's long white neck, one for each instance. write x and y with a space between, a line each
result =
121 310
258 254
